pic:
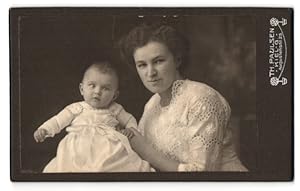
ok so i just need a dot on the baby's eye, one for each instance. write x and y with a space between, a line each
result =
91 85
106 88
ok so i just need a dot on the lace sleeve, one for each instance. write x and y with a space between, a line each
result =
207 120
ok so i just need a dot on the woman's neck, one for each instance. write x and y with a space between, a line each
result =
166 96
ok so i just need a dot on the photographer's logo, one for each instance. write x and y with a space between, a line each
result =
277 52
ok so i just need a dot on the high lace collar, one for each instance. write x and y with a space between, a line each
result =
175 91
176 87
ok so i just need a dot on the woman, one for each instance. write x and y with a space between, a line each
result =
184 124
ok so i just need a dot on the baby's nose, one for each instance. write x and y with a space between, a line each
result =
97 90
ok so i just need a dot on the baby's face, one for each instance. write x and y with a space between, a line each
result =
99 89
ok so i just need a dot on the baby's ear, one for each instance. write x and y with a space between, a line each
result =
116 95
81 88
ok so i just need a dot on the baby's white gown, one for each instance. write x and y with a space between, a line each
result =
92 143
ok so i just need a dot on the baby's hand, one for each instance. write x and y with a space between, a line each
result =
127 132
40 135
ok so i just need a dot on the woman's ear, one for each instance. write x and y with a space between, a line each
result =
178 61
81 88
116 95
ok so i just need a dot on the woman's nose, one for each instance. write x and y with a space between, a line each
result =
152 71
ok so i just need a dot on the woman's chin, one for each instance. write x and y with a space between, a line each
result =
155 89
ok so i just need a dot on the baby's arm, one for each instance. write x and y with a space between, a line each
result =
126 121
40 135
131 123
47 129
55 124
127 132
126 127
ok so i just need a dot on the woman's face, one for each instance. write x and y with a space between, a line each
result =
156 66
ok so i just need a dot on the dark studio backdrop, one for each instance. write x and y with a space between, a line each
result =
55 48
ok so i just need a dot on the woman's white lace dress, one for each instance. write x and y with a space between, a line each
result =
192 129
92 143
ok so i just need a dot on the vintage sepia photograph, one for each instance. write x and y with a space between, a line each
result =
151 94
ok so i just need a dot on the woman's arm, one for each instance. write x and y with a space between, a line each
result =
148 153
207 118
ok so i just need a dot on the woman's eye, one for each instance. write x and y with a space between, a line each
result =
141 65
159 61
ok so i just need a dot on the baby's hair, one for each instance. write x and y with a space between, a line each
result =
104 67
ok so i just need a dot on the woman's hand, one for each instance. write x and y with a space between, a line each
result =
138 142
148 153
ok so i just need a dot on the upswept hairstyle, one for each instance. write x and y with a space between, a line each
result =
143 34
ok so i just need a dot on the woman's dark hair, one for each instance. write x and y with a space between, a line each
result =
143 34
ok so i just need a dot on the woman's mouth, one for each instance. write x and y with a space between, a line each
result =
154 82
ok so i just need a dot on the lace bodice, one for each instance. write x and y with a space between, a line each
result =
192 129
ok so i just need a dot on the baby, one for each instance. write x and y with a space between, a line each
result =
93 143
